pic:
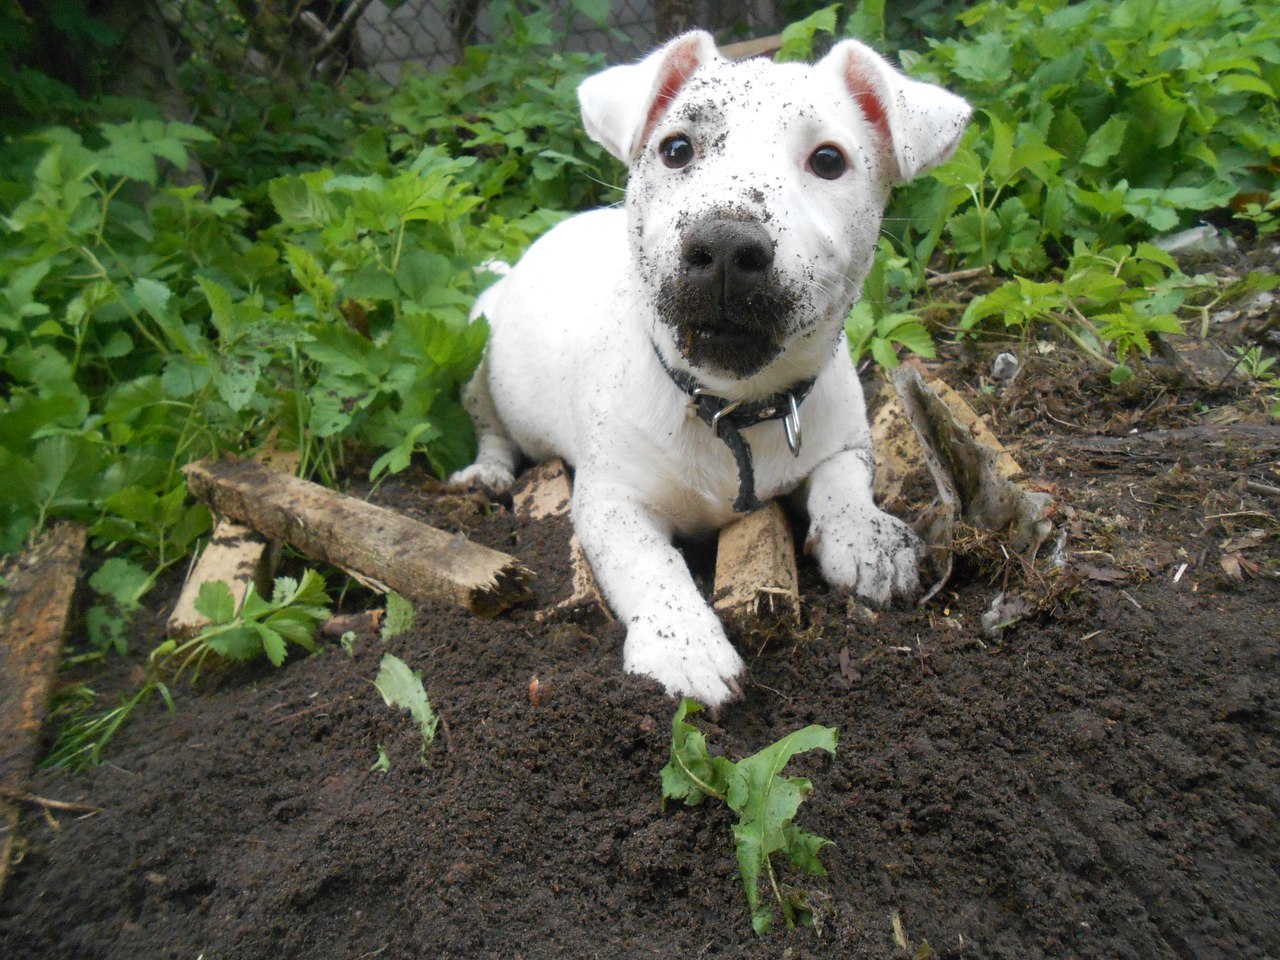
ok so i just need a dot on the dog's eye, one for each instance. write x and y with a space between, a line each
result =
676 151
827 162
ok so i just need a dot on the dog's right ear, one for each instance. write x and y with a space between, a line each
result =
622 105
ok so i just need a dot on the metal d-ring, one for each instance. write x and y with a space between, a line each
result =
791 424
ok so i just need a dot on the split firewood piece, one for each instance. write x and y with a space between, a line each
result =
756 567
412 558
898 456
972 477
34 605
236 555
547 492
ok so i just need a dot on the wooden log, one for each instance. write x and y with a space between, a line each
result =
34 608
410 557
746 49
756 567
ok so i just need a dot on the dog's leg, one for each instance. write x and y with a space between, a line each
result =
858 546
494 468
672 634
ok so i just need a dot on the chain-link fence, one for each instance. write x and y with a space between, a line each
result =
282 39
435 31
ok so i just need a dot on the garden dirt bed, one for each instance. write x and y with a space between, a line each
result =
1100 781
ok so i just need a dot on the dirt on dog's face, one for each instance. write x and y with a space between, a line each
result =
754 209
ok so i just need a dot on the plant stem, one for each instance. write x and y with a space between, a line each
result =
705 788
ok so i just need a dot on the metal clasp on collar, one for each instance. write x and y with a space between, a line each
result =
698 393
791 425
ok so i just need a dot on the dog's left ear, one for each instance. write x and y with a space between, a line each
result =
920 124
622 105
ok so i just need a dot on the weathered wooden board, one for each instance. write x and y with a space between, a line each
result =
548 492
34 607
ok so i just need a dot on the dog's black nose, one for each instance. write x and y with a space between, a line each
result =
727 258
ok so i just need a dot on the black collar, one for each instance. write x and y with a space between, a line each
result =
727 419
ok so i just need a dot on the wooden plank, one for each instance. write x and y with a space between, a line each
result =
34 608
756 567
968 418
412 558
236 555
545 492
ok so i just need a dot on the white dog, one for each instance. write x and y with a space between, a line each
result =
687 355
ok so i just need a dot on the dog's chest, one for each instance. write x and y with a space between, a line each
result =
693 478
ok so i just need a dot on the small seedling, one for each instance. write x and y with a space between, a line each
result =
401 687
82 739
295 611
399 616
764 800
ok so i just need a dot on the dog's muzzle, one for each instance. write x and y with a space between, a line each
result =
725 301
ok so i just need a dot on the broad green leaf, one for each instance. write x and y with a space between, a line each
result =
122 580
239 642
884 354
798 37
1105 142
273 643
216 602
398 618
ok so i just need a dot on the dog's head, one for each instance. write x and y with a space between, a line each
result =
756 191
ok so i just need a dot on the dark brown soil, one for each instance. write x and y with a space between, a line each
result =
1102 781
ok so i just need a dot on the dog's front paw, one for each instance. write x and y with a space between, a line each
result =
491 477
689 655
869 552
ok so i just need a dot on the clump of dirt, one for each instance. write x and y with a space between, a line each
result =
1100 780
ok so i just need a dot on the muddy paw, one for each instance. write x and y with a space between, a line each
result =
490 477
871 553
691 659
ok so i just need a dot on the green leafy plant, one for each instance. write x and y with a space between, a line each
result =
260 627
1098 121
879 323
1109 303
398 618
765 802
402 687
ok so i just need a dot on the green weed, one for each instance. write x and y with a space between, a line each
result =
765 802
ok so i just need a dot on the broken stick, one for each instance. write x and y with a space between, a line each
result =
412 558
